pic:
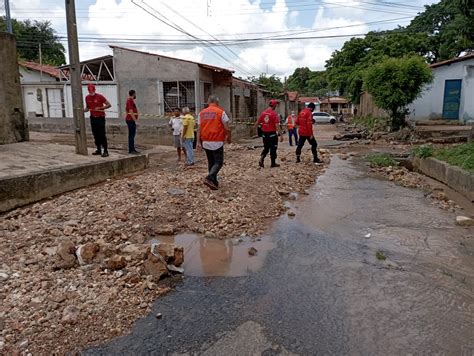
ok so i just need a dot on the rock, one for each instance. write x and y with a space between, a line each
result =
87 252
464 221
121 217
159 316
164 230
176 192
68 230
210 235
155 266
115 263
65 257
71 314
173 254
252 251
4 276
136 252
293 196
291 213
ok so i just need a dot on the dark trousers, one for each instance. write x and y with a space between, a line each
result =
215 161
98 131
270 144
311 141
132 130
293 133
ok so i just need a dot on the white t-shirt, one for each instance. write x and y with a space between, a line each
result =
214 145
177 125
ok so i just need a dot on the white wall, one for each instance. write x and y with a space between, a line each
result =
107 90
32 76
430 104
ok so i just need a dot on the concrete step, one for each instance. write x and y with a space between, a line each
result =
438 122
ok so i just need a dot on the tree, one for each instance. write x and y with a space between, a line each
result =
308 82
396 82
30 34
271 83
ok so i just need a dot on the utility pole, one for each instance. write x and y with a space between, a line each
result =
75 77
41 61
8 17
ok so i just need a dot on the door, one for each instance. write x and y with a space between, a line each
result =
452 99
55 102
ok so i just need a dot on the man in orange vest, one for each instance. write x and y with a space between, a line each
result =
292 131
213 132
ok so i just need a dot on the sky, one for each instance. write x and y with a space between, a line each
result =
150 25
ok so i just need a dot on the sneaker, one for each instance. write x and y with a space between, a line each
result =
298 160
275 165
134 153
105 154
210 184
317 161
97 153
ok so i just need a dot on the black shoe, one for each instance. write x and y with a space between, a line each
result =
298 160
105 154
317 161
275 165
260 163
97 153
211 184
133 153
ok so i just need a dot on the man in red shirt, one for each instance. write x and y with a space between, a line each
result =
97 104
269 122
304 123
130 119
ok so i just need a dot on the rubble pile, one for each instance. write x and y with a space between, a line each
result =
406 178
80 268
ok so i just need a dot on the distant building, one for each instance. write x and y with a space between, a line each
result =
336 104
305 100
451 94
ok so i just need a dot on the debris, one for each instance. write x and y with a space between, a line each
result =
253 251
367 236
173 254
71 314
293 196
291 213
115 263
65 257
87 252
158 316
174 268
464 221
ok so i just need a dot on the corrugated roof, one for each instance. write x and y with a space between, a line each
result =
203 65
452 60
45 68
309 99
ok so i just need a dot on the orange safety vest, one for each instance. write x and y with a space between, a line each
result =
291 122
211 126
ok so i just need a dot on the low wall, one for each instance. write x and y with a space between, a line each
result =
454 177
149 131
29 188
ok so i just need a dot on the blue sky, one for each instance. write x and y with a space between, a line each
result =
120 21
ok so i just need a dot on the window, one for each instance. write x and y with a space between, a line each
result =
320 114
236 106
177 95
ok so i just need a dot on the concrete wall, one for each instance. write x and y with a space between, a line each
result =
430 104
13 127
144 72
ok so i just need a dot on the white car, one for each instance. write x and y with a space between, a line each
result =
323 117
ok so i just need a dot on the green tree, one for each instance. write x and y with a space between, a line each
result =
271 83
308 82
29 34
395 83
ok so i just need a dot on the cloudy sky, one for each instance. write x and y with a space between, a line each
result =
259 36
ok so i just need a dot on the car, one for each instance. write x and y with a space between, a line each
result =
323 117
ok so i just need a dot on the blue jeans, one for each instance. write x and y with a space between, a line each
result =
188 146
132 130
293 132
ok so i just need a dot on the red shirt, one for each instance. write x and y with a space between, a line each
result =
130 106
269 120
94 102
305 122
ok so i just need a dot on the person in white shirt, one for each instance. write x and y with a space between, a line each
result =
176 124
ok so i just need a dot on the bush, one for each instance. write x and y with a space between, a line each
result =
424 151
381 160
371 123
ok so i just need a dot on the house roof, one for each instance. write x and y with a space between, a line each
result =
203 65
452 60
292 95
335 100
309 99
45 68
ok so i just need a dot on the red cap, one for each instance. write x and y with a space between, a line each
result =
273 102
91 88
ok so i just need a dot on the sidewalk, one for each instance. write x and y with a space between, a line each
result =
31 171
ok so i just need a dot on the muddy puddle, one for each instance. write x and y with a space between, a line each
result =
220 258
